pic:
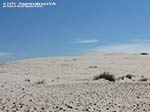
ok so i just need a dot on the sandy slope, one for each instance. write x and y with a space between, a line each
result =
68 86
77 97
74 68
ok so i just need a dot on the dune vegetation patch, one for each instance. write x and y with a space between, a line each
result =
27 80
41 82
129 76
143 53
105 75
93 67
121 78
143 79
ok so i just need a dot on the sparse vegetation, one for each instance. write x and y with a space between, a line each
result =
27 80
74 59
129 76
143 53
93 66
143 78
121 78
105 75
41 82
57 78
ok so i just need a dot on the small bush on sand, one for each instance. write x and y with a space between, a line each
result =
105 75
27 80
143 78
41 82
129 76
143 53
120 78
93 66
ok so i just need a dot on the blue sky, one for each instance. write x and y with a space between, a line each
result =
74 27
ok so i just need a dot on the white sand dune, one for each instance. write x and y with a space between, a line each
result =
64 84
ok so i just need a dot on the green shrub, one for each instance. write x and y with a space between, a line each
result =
105 75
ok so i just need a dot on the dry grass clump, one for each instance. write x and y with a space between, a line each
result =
143 53
105 75
143 79
93 66
129 76
41 82
121 78
27 80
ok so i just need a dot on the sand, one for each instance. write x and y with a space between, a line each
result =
65 84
